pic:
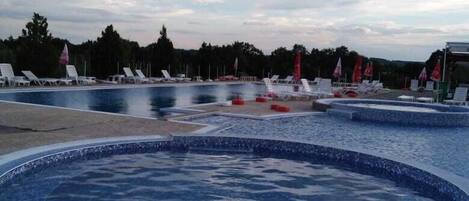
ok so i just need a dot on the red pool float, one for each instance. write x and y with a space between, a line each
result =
282 108
237 101
261 99
273 106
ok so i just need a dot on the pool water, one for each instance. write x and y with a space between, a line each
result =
443 147
145 102
201 176
393 107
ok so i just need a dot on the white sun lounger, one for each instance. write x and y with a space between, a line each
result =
150 79
414 85
167 77
287 80
73 75
424 99
274 78
406 98
459 97
429 86
7 72
281 94
130 77
39 81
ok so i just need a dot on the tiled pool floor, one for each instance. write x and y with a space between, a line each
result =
445 148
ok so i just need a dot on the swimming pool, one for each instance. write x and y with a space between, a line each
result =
198 176
397 112
443 147
218 168
142 101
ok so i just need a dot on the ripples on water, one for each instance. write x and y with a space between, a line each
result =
193 176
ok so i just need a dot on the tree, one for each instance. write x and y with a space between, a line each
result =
35 51
163 52
108 53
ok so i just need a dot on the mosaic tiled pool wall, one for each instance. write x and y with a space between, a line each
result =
404 175
447 115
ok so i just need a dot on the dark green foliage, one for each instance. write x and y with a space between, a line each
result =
36 49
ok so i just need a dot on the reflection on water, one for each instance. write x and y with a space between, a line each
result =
138 101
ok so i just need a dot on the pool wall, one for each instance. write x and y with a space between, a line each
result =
404 175
446 115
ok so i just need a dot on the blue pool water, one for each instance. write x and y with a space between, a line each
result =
443 147
202 176
137 101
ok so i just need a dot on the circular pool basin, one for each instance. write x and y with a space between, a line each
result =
219 168
202 176
403 113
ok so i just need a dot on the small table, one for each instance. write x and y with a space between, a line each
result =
117 78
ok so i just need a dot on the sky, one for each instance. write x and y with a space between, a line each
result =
397 29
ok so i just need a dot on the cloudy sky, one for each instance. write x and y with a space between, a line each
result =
398 29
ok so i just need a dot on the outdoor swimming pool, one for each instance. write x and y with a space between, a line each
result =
443 147
145 102
201 176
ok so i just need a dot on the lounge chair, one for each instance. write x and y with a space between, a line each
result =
406 98
271 92
377 85
130 76
168 78
459 97
424 99
325 88
39 81
150 79
287 80
414 85
429 86
307 91
274 78
72 74
12 80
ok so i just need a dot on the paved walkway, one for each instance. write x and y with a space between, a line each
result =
25 126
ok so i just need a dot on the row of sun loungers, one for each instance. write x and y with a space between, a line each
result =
324 89
9 78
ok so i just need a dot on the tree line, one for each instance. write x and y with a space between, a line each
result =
36 49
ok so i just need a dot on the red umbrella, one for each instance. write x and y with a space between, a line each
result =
369 70
338 69
436 76
64 56
357 70
297 74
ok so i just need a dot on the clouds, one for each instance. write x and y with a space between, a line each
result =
374 27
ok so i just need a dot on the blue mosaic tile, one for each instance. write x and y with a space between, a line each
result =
444 115
408 176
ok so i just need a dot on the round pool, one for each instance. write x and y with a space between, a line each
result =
202 176
404 113
219 168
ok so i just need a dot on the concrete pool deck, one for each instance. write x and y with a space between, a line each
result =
24 126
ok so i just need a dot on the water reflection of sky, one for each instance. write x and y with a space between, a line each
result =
137 101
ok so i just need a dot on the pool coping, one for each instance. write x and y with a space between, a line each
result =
14 160
117 86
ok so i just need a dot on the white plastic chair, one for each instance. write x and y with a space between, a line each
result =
73 75
150 79
7 72
39 81
459 97
429 86
414 85
167 77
